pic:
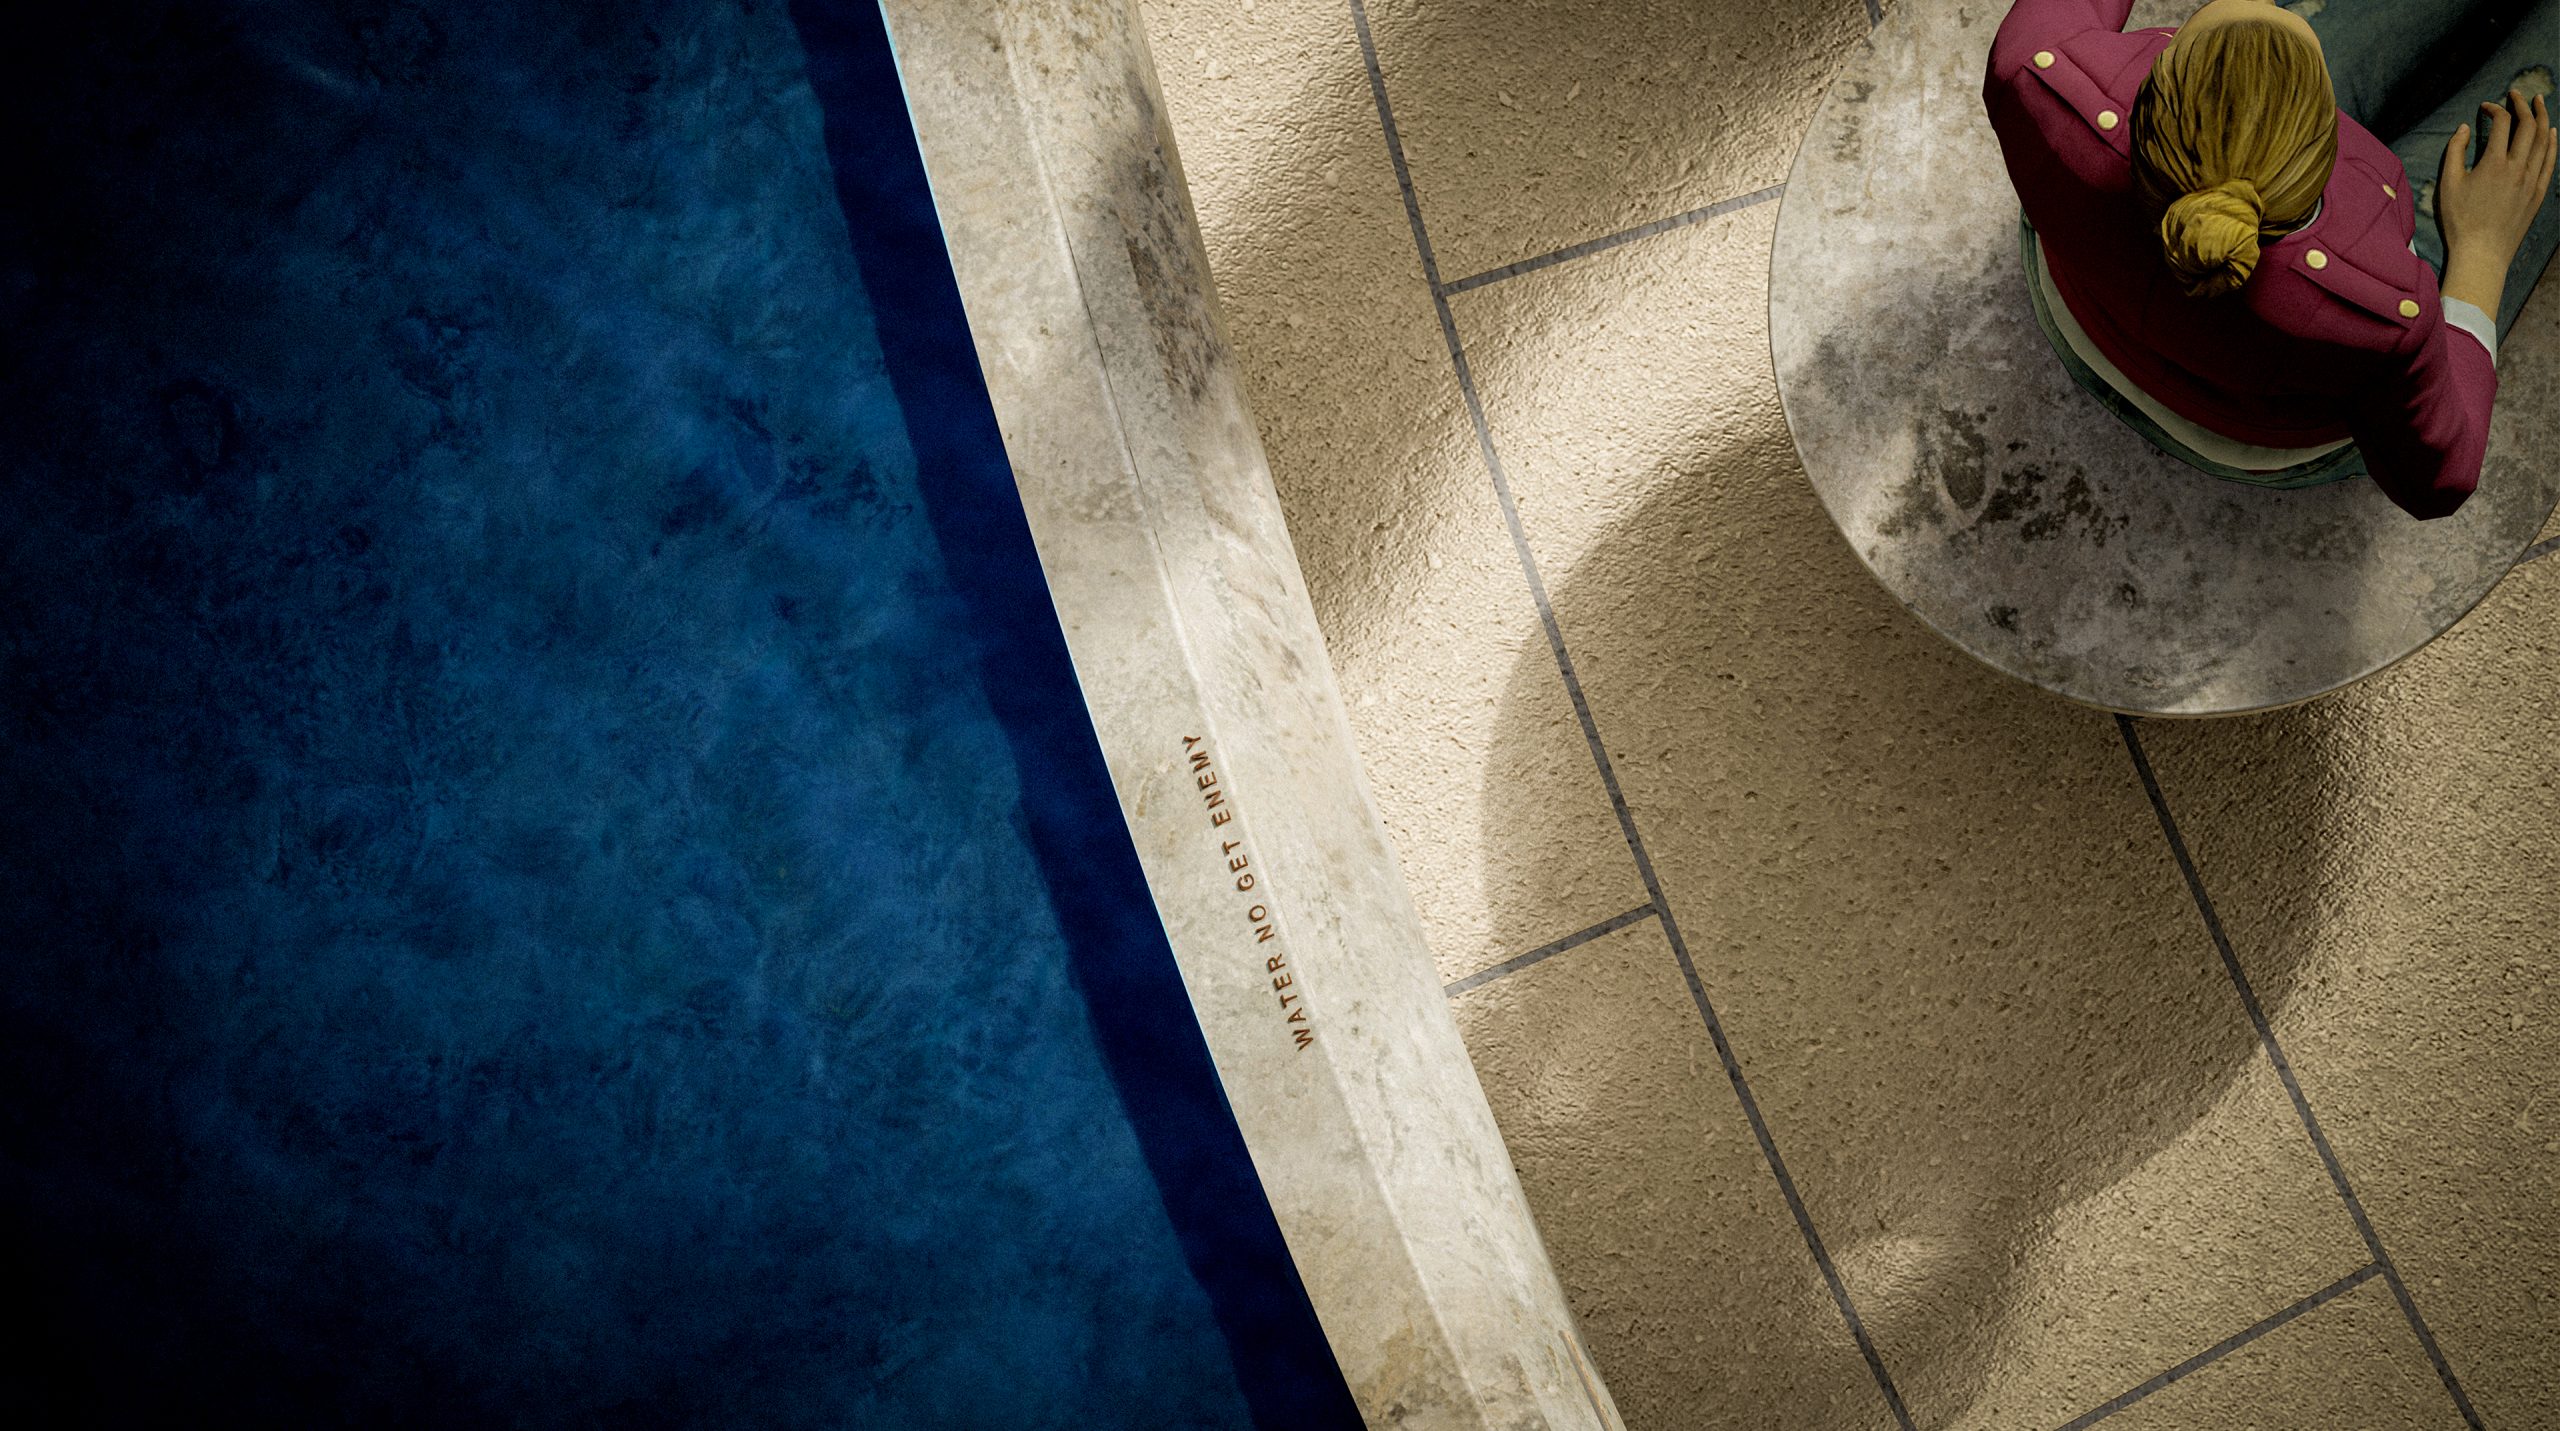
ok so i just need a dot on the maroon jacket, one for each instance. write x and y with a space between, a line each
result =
2339 333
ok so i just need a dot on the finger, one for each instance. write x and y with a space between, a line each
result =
2521 136
2500 122
2457 156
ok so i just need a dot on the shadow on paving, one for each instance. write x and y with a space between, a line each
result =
1927 901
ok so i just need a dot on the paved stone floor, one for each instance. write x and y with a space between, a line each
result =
1882 1042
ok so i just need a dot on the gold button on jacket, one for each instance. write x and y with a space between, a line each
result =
2316 259
2044 59
2106 119
2408 308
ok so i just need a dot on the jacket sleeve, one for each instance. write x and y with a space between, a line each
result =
2051 145
2424 431
2034 25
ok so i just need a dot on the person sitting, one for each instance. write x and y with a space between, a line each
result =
2224 253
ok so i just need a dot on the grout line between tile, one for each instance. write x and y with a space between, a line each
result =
2284 1071
2223 1348
1718 209
1611 925
2539 550
1591 733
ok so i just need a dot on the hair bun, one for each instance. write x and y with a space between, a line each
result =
2210 237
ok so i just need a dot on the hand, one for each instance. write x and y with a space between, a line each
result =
2485 209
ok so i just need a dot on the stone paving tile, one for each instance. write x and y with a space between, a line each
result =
1949 944
1420 596
2402 916
2348 1363
2149 1271
1941 923
1534 124
1692 1286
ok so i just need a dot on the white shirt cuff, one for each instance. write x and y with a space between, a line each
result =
2469 318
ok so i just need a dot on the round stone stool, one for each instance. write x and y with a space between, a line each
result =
2005 508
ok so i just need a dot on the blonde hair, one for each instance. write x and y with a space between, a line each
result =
2234 134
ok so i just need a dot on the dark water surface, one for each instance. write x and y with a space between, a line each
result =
525 906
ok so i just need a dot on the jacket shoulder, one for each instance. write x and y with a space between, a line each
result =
2075 89
2349 281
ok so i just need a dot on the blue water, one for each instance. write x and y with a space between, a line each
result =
527 906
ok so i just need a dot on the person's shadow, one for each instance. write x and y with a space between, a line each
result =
1930 903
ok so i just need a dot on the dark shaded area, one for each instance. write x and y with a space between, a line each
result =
523 911
2392 64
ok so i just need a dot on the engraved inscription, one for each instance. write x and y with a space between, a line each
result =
1240 871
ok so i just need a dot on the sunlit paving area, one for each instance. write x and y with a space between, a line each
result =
1882 1042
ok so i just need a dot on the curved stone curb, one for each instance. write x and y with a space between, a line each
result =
1090 299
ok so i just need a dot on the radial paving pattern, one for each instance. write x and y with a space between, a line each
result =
1863 1041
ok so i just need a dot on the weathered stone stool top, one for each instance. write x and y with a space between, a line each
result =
2005 508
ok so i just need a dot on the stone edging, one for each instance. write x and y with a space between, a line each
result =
1090 300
